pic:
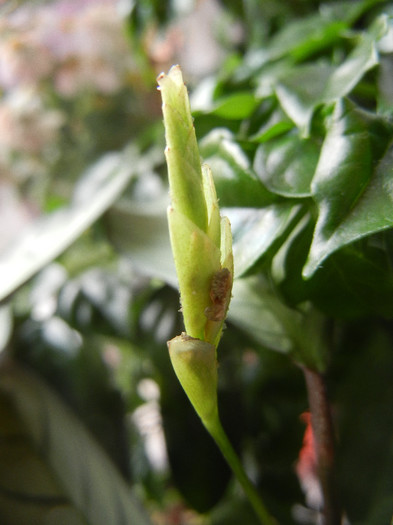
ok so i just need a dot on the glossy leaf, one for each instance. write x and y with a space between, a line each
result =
306 36
277 124
288 262
326 83
355 281
64 477
300 103
235 181
50 235
237 106
352 184
256 231
303 37
286 165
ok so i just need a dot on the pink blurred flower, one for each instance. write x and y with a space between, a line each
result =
76 44
92 52
25 124
23 58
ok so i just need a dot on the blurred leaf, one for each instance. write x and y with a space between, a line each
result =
256 231
277 124
355 281
256 309
81 377
97 298
308 35
385 85
52 470
286 164
6 323
140 231
308 86
301 90
144 14
364 389
352 183
237 106
304 37
209 97
287 264
236 183
98 189
197 466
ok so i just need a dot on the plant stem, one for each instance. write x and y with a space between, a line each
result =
322 426
217 432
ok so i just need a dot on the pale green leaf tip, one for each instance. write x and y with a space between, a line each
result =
182 154
174 73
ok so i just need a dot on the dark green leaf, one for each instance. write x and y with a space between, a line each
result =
359 61
256 231
364 362
355 281
288 262
197 466
353 182
309 35
286 165
277 124
237 106
301 90
305 36
308 86
236 183
52 470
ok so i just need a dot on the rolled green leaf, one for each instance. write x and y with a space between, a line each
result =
201 240
182 154
197 259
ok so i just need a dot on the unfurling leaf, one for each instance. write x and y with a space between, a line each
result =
201 240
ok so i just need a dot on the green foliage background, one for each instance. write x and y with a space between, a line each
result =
297 128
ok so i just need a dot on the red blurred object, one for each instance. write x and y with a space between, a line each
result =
307 469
